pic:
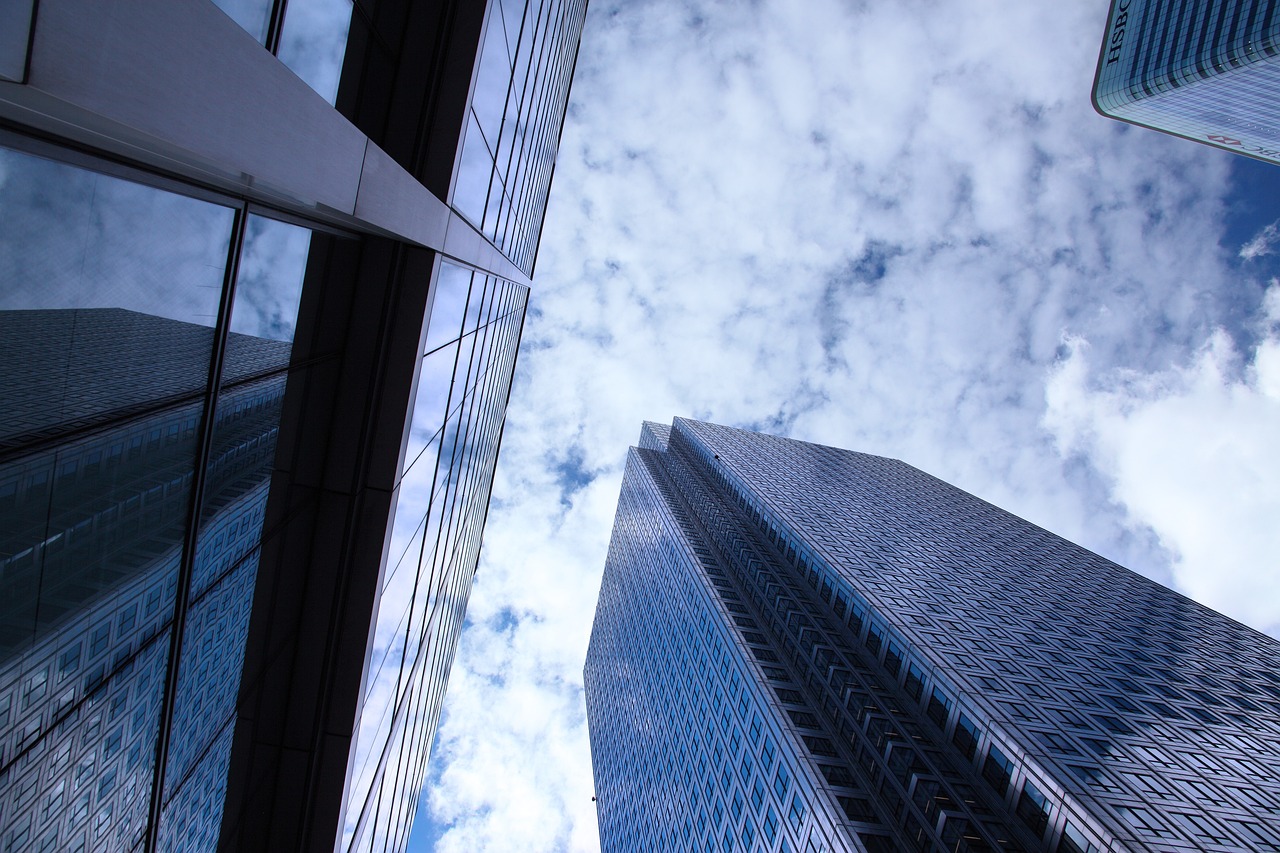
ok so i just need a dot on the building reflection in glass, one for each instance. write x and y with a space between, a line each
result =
108 337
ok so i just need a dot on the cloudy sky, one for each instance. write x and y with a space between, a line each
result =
893 227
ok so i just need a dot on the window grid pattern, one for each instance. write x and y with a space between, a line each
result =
859 736
1077 680
951 677
686 749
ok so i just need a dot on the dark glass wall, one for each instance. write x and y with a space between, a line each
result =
131 407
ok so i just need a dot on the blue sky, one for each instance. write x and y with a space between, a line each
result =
897 228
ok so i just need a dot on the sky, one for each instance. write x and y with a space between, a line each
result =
898 228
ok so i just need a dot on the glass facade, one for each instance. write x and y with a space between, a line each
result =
435 545
513 124
1207 71
918 669
253 404
116 353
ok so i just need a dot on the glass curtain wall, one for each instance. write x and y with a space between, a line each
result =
145 333
463 385
513 125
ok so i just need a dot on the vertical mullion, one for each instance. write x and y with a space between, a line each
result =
275 26
191 538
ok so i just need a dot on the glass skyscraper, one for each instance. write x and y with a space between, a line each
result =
263 273
804 649
1207 70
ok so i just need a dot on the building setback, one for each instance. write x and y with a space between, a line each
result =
804 649
1205 70
263 274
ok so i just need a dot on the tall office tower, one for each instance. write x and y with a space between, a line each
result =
799 648
1206 70
263 272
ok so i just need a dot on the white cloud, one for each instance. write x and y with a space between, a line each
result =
1263 243
867 225
1192 453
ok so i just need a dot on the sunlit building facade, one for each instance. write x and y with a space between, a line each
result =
263 274
799 648
1206 70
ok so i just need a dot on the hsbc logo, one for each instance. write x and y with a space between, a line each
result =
1118 26
1232 142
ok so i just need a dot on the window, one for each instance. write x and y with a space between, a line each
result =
914 681
837 775
770 824
893 658
997 770
1073 841
875 639
1056 742
1033 808
98 643
70 660
966 736
1201 828
803 719
1144 821
819 746
781 782
767 753
797 813
939 706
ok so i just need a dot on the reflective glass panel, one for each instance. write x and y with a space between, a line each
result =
449 304
475 170
434 547
313 42
108 292
253 15
517 110
242 452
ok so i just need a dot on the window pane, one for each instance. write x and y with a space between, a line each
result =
313 42
253 15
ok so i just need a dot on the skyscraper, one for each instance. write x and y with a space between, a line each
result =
1207 71
263 273
799 648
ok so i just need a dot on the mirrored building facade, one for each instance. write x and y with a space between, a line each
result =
799 648
256 343
1206 70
